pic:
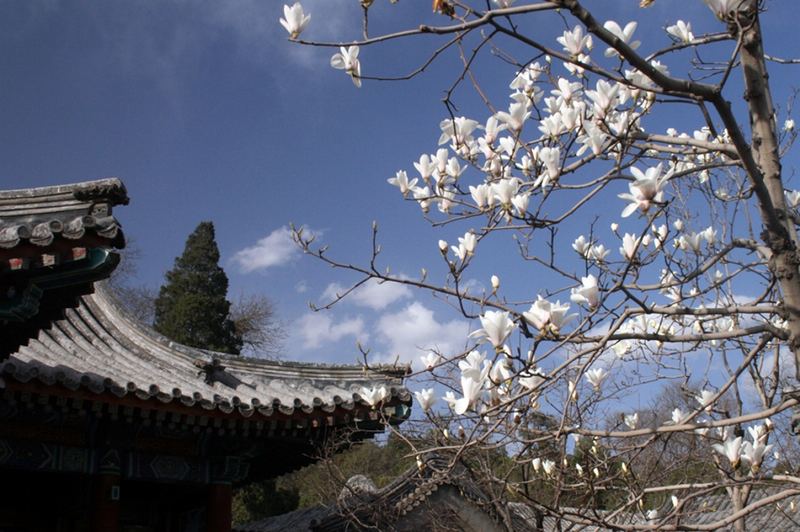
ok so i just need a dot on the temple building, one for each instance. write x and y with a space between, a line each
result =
105 425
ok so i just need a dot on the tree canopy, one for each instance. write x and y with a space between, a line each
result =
192 306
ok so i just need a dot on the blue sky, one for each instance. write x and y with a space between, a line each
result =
207 113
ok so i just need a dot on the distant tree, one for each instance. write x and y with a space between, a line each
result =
191 307
256 324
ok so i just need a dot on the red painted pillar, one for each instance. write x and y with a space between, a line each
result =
105 510
218 511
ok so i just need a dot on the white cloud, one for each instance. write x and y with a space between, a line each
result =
414 330
372 294
316 329
275 249
301 287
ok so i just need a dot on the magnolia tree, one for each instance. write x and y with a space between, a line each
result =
683 269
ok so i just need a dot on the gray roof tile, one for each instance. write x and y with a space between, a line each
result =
98 347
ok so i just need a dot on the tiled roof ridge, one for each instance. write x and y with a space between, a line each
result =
110 188
70 212
112 308
95 347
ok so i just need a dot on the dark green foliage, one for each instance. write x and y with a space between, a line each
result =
263 499
322 482
191 307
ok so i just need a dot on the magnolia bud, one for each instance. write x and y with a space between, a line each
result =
614 226
495 283
443 247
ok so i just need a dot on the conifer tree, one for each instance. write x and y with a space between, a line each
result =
192 307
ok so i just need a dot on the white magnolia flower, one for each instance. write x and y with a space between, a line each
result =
710 235
520 203
704 399
587 294
682 31
400 180
566 92
677 416
604 97
574 41
495 283
645 190
443 246
466 245
660 234
482 195
446 202
294 21
537 464
450 398
548 317
552 126
630 245
575 69
594 139
531 379
793 198
614 227
754 453
581 245
430 360
501 372
731 449
503 3
469 240
689 242
758 433
504 190
515 117
425 166
425 398
551 157
423 197
459 129
598 253
675 501
624 35
492 128
548 466
347 59
722 8
572 395
473 379
496 326
596 377
788 125
374 395
632 420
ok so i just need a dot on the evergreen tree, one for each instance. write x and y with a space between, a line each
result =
191 307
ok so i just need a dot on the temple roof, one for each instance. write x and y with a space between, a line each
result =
40 215
98 347
55 242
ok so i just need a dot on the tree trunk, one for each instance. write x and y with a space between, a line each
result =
781 237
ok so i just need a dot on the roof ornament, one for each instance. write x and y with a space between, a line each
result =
212 371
